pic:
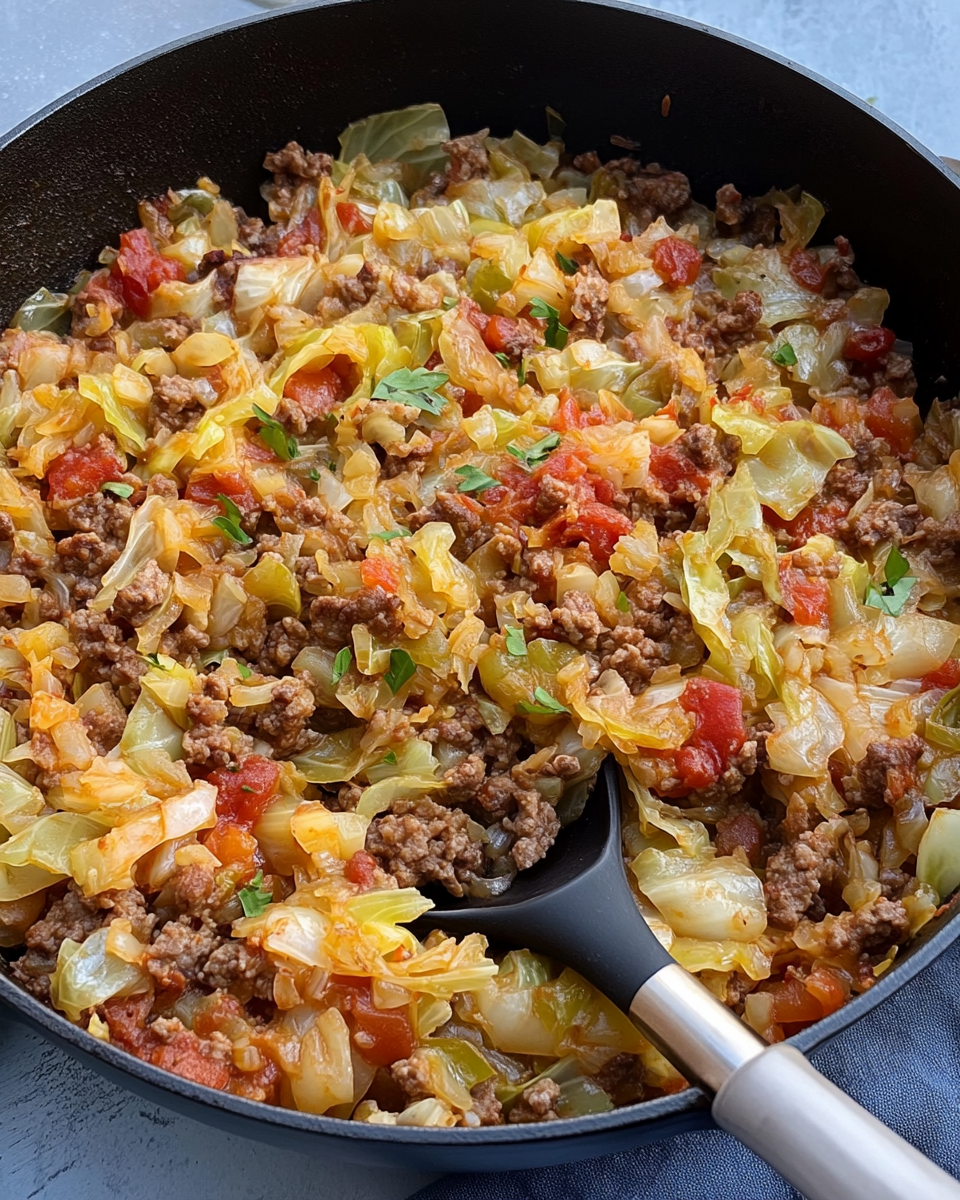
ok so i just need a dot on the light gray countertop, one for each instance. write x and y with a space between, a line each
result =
65 1133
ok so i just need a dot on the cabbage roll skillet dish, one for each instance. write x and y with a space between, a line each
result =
336 554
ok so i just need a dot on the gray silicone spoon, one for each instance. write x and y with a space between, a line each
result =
576 906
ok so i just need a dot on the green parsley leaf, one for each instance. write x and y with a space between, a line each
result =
244 670
786 356
521 372
516 642
341 665
474 480
566 265
254 898
556 333
390 758
245 787
544 705
503 360
402 668
274 436
449 302
555 124
534 455
417 387
390 534
123 490
623 604
154 661
893 594
895 567
230 524
313 474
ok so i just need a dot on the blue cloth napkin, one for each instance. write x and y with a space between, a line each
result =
902 1062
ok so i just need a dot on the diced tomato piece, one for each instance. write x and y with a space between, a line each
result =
626 237
600 526
235 847
869 345
141 269
718 734
242 795
315 392
676 261
307 233
893 418
185 1055
564 463
471 403
808 600
380 572
353 219
501 333
818 517
828 987
805 268
793 1004
947 676
513 501
570 415
82 470
361 869
676 473
204 489
381 1035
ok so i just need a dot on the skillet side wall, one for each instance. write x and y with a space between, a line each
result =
69 182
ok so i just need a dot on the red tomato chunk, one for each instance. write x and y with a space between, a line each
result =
676 261
947 676
805 269
869 345
141 269
893 418
381 1035
204 489
352 219
719 733
82 470
808 600
315 392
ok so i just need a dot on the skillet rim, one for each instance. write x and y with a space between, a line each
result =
666 1110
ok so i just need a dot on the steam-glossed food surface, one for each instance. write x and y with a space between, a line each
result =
337 552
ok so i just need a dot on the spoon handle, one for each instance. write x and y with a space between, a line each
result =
770 1098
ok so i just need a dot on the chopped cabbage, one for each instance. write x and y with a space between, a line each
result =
720 899
87 974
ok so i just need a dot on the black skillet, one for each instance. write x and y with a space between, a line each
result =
70 178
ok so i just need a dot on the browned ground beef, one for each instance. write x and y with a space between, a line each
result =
421 842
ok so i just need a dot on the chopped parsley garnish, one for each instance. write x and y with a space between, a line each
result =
539 452
230 523
154 661
623 604
555 334
245 787
521 372
313 474
390 758
503 360
402 668
543 705
123 490
567 265
786 356
254 898
274 436
389 534
474 480
516 642
341 665
417 387
894 592
244 670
